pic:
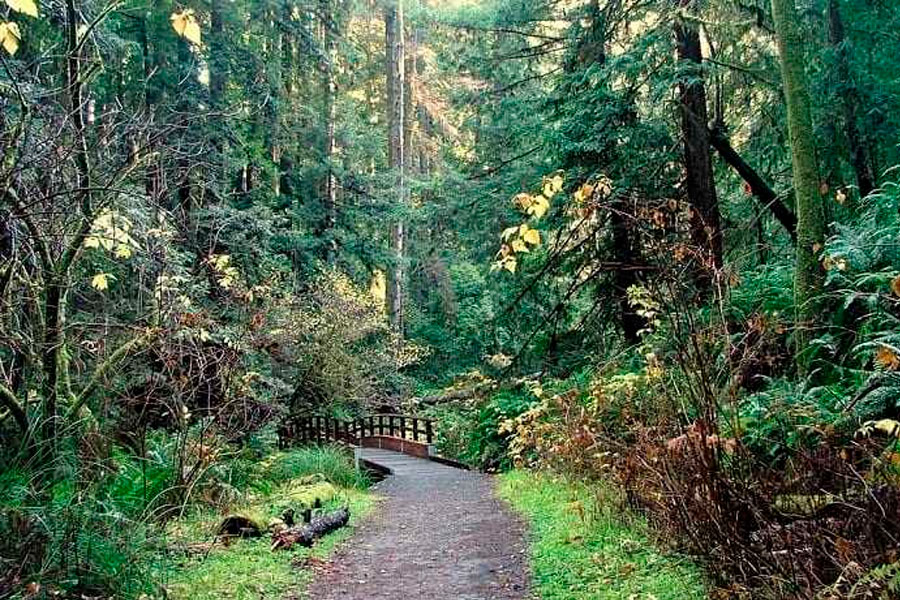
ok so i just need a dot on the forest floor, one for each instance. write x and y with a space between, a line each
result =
209 567
440 533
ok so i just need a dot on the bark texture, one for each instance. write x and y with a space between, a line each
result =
808 274
306 535
706 222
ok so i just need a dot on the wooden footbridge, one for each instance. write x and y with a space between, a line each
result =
408 434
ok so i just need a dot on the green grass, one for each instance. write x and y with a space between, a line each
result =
582 548
331 461
247 569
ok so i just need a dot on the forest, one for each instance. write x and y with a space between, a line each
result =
636 260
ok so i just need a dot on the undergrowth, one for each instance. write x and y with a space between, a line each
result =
113 527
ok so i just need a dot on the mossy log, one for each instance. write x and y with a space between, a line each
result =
301 498
306 535
242 525
307 495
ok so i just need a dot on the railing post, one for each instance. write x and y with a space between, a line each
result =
428 432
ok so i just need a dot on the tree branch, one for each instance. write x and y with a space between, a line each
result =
116 357
758 186
9 400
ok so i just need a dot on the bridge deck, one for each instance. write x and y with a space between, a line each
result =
400 464
438 534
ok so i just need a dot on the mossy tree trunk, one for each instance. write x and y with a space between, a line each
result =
808 273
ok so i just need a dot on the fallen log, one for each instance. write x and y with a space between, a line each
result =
306 535
241 525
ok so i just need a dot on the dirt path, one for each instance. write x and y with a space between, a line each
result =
439 534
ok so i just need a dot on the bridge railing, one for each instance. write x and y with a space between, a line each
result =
301 429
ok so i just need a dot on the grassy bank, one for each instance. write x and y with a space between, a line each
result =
205 567
249 569
583 549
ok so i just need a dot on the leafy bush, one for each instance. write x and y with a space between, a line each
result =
81 537
471 432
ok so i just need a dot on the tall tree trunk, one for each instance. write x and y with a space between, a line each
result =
625 276
706 226
849 99
330 116
53 352
273 106
410 73
626 251
808 275
395 59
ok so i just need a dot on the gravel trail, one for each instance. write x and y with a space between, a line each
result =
439 534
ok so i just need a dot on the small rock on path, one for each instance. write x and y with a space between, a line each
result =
439 534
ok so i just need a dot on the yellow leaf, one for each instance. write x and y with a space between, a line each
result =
508 233
523 201
26 7
100 281
92 242
510 264
556 183
10 36
519 246
539 207
192 32
186 25
533 237
123 251
584 192
888 426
